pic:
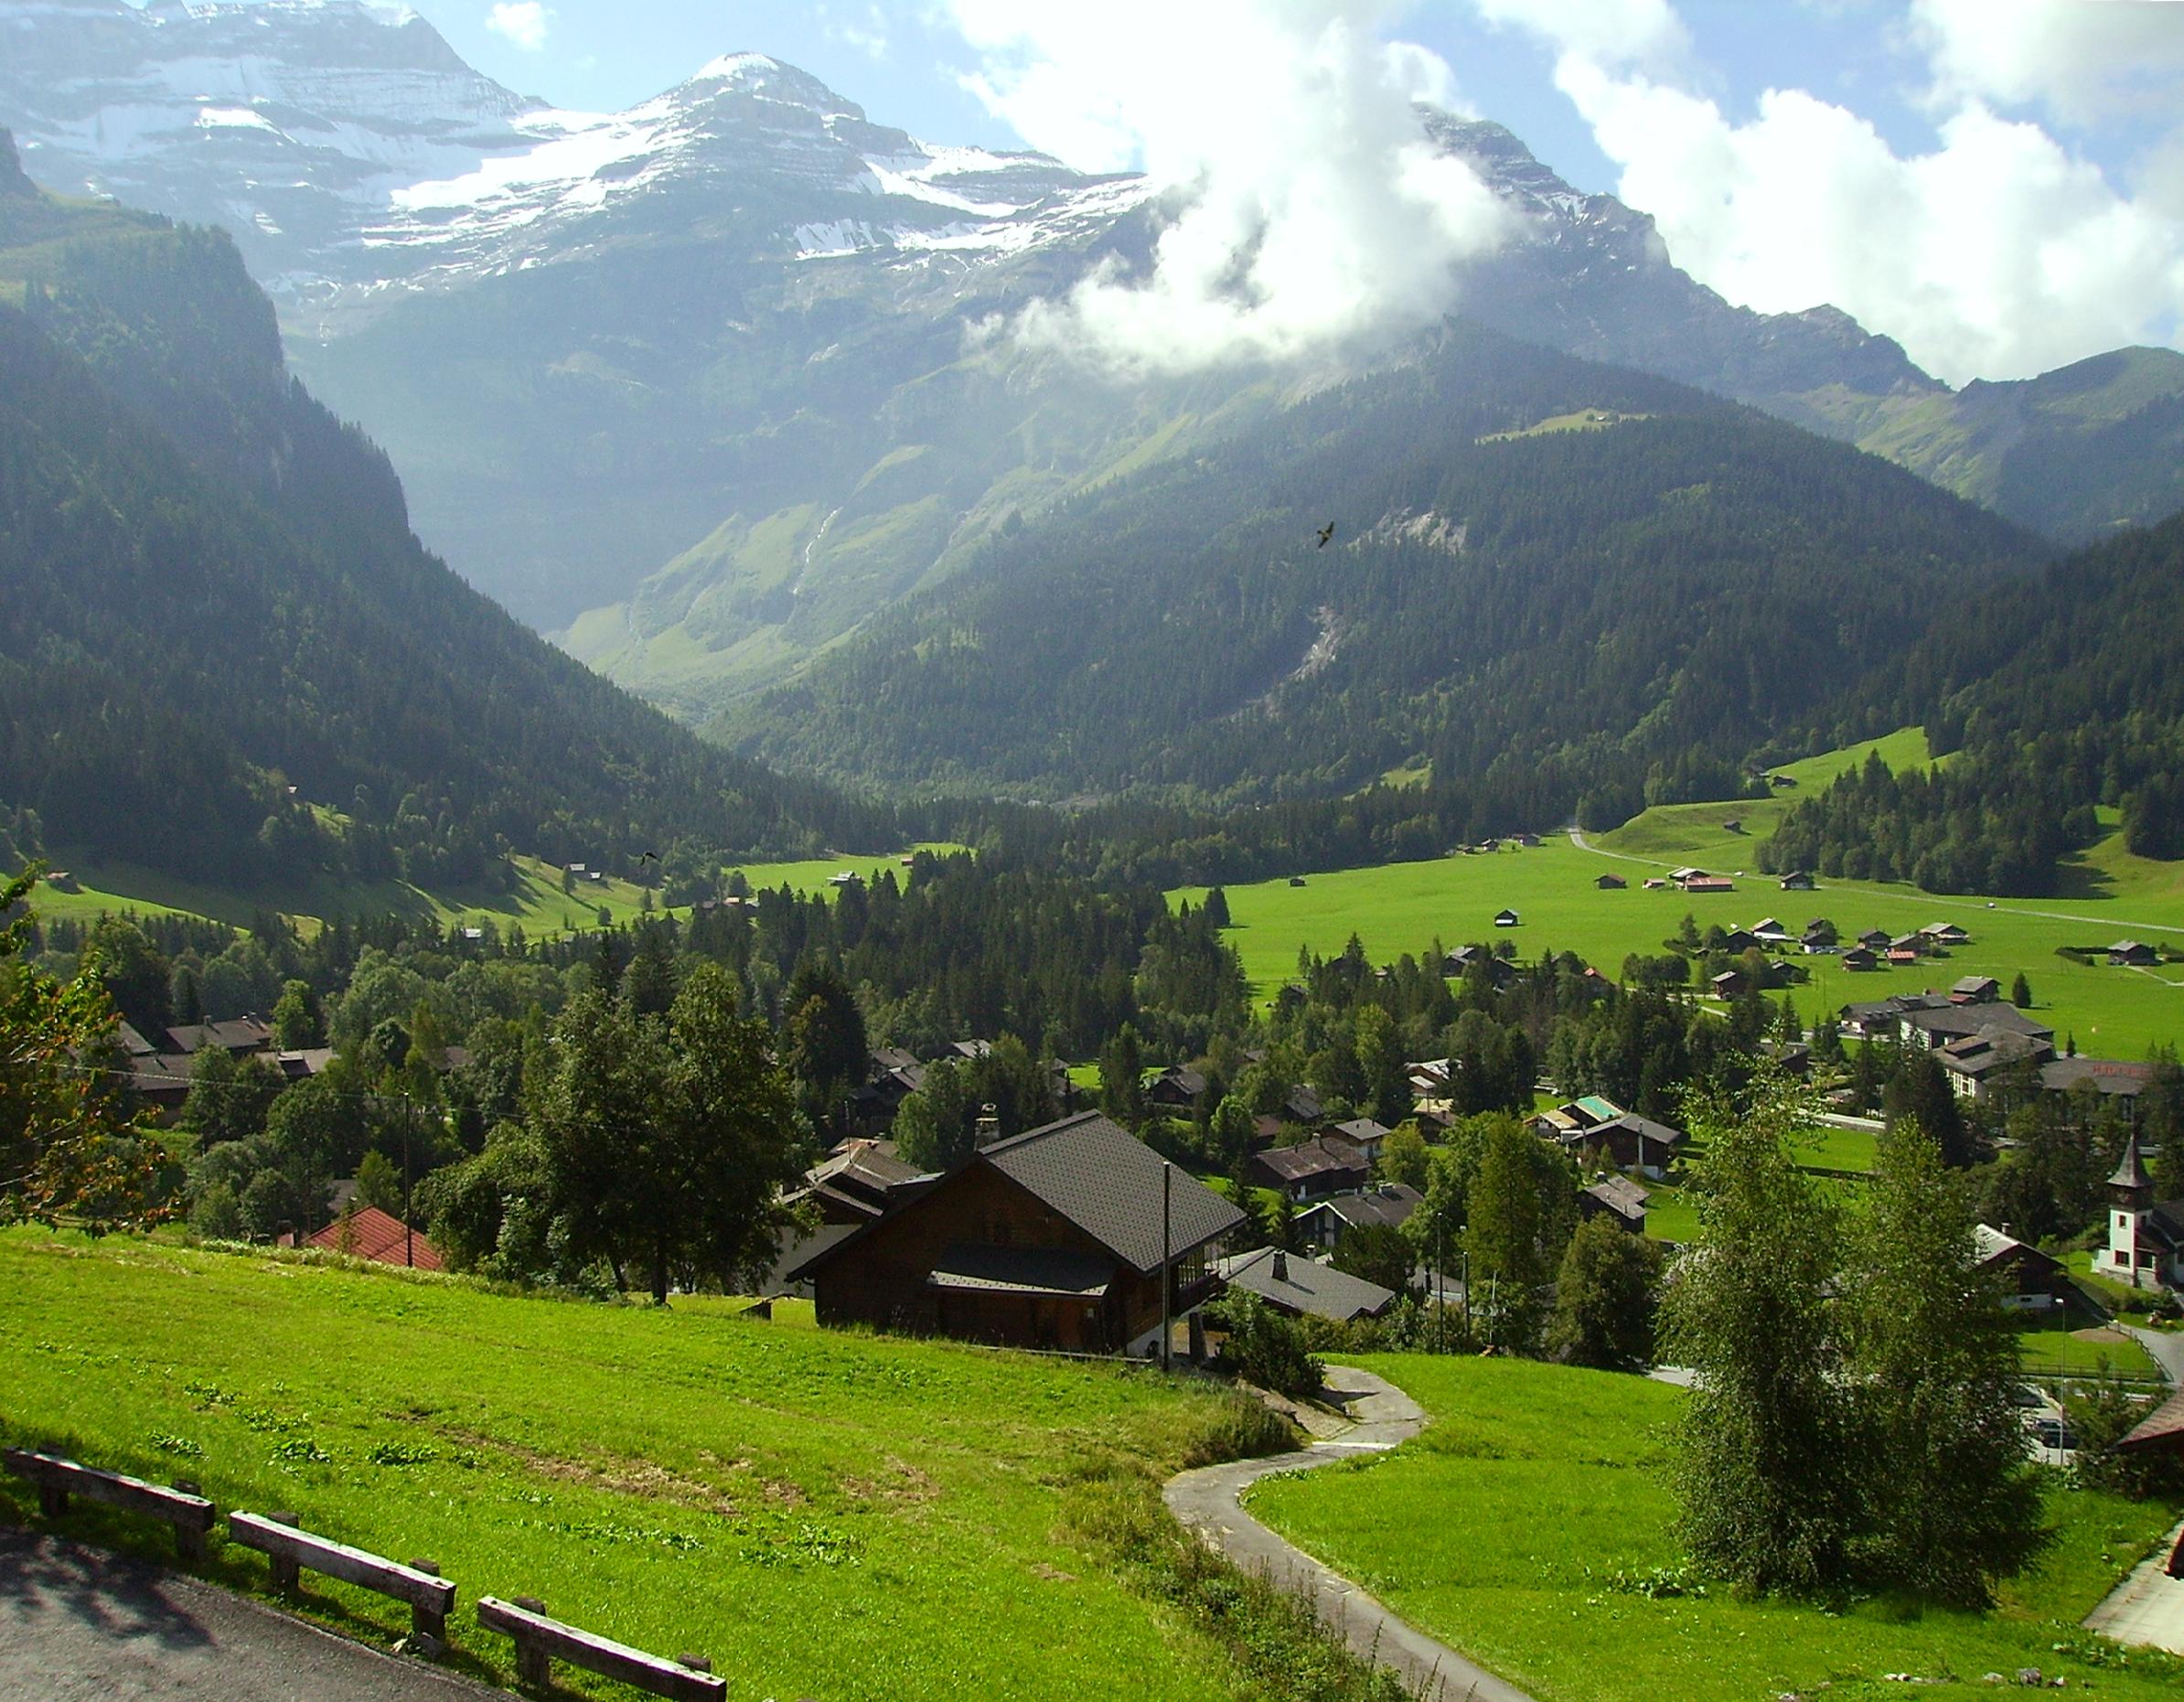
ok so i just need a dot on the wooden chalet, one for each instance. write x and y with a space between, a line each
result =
1312 1170
1505 919
1464 958
2133 954
1799 881
1176 1089
2031 1280
1610 882
1975 990
1058 1237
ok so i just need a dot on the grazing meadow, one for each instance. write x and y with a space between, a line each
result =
1405 907
823 1514
1531 1527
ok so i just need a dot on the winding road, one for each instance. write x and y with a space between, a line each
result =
1207 1503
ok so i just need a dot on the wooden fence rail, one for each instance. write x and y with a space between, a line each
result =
540 1641
59 1477
276 1535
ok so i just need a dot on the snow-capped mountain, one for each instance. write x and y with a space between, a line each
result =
726 330
346 144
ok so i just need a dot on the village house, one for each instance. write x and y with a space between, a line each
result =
1460 963
1937 1022
1615 1198
1387 1203
1298 1286
1601 1133
2146 1236
1874 940
2113 1079
1610 882
1799 881
1505 919
1946 934
860 1182
1176 1089
1975 990
1709 884
367 1232
2132 954
1361 1132
1860 958
1975 1063
2031 1280
1770 931
1310 1169
1059 1237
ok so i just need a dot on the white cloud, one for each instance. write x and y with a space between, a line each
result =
523 22
2084 60
1312 210
1996 254
867 34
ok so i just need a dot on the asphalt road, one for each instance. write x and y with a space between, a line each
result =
1205 1502
79 1624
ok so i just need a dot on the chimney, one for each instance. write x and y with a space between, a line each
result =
989 1126
1281 1265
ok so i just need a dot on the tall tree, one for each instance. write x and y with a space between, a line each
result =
1767 1475
1954 1504
69 1148
1505 1237
1919 1090
1605 1297
934 1127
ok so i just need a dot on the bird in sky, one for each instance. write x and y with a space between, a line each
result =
1326 532
649 857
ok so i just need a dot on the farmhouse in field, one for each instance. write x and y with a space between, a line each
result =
1301 1286
1610 882
2133 954
1053 1238
1975 990
1708 883
1505 919
1798 882
1176 1089
1860 957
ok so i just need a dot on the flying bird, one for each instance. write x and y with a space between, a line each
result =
649 857
1326 532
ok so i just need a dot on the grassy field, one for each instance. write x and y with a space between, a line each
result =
1514 1527
1406 906
537 904
824 1515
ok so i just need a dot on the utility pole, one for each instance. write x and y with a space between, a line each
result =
1167 1270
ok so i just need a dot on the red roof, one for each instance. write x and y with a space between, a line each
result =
370 1233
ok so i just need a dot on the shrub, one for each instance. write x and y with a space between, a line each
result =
1264 1347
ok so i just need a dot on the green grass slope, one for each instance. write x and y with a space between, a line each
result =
1514 1528
823 1514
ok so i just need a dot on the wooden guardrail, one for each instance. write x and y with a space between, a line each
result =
541 1641
59 1477
291 1549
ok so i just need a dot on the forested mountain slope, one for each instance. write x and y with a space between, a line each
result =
1637 598
2062 695
223 653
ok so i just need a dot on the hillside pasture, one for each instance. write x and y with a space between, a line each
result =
822 1514
1531 1526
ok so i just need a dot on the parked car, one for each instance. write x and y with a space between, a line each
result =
2054 1433
2025 1394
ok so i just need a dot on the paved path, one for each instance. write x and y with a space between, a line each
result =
2148 1606
2167 1348
77 1624
1206 1503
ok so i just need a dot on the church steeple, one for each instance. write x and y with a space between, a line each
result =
2131 1187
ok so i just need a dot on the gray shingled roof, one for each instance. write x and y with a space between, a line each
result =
1305 1286
1107 1182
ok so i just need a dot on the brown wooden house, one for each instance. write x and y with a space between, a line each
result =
1054 1239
